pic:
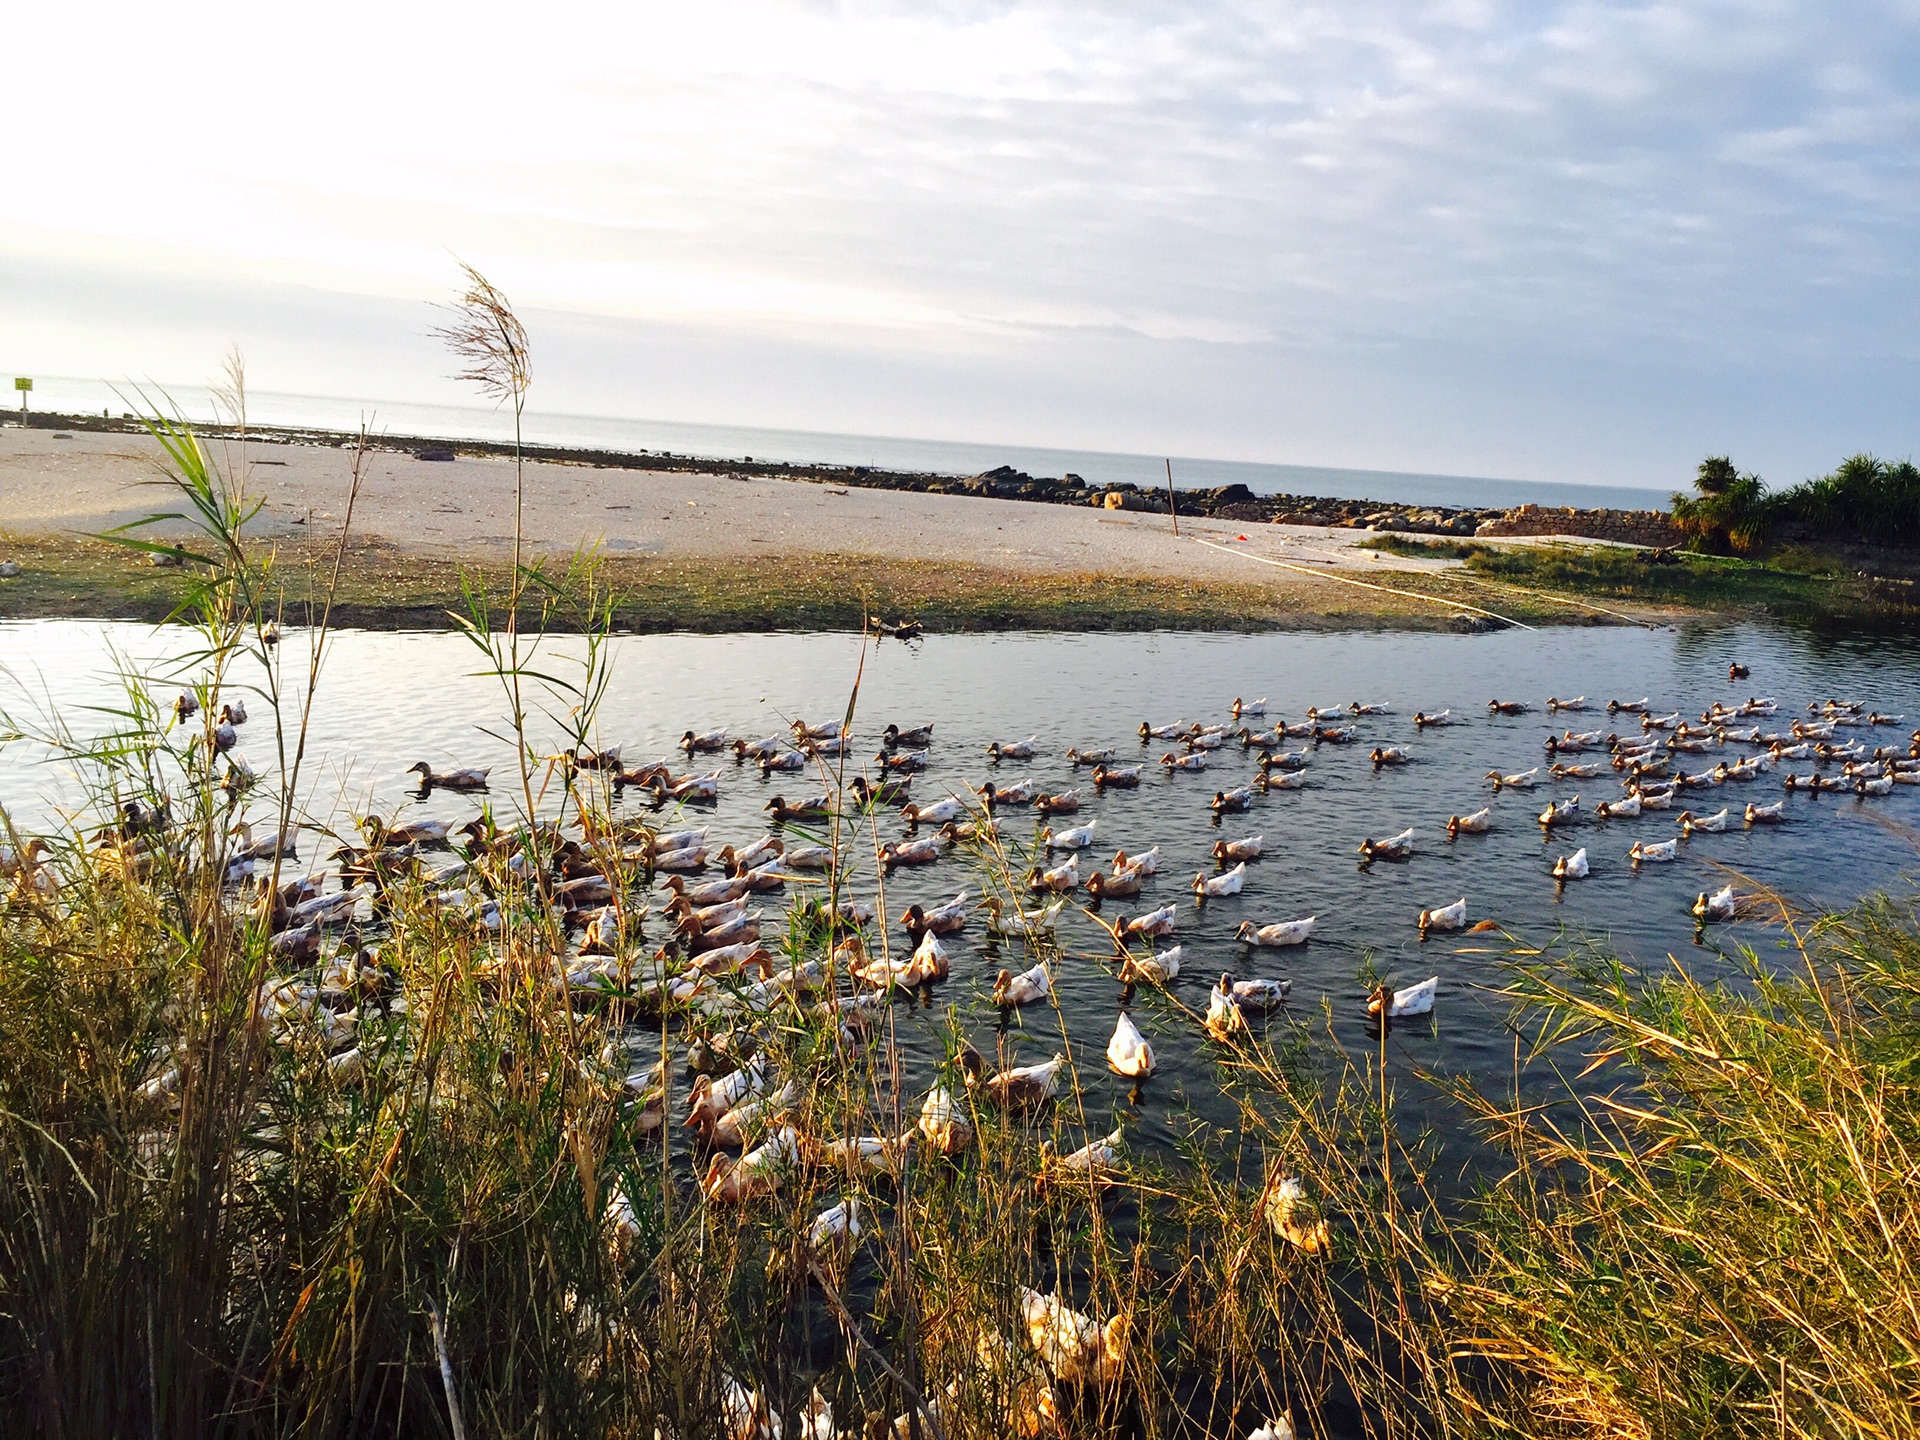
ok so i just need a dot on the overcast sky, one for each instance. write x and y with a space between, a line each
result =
1577 241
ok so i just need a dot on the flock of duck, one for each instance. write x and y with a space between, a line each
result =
606 880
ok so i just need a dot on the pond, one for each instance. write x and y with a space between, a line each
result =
389 700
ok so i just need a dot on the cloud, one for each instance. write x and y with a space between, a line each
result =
1333 193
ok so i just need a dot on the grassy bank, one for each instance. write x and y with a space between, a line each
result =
1822 585
385 588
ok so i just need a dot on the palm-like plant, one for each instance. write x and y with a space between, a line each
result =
1730 510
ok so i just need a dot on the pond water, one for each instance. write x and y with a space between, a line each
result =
388 700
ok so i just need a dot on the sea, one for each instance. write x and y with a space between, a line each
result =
944 457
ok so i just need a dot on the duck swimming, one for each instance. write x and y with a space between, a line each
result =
1560 812
1156 969
1125 778
703 744
457 780
1077 757
1579 702
1644 853
1061 880
1224 1018
1520 780
1231 802
1064 802
1011 749
1572 867
1187 763
1154 923
1424 721
1075 1347
1260 994
1249 707
937 812
1478 823
1445 917
1691 823
1080 837
1216 887
1128 1052
940 920
1030 987
894 736
1720 905
1281 934
814 807
1627 809
910 852
1507 707
1385 755
1394 847
1226 851
1024 1086
1402 1004
1773 814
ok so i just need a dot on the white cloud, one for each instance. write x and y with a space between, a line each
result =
1654 184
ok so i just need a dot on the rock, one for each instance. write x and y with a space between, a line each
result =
440 453
165 558
9 570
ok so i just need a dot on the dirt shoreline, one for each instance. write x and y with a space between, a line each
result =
709 548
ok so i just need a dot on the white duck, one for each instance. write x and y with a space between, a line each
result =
1080 837
1400 1004
1128 1051
1012 749
1012 920
1720 905
1155 969
1561 812
1691 823
944 1122
1643 853
1280 1428
1153 923
1247 849
1445 917
1520 780
1147 862
1030 987
1095 1159
1075 1347
1293 1216
760 1171
1215 887
1285 932
1478 823
1773 814
1627 809
1572 867
1224 1018
1060 880
1259 994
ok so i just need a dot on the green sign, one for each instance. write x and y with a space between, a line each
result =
21 382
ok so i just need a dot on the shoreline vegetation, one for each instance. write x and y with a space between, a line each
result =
274 1163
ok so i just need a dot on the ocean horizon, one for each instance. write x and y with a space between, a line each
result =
721 443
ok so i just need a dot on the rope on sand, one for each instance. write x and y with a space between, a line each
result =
1366 584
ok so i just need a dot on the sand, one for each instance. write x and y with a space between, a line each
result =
86 482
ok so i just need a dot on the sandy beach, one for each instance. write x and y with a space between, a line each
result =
464 508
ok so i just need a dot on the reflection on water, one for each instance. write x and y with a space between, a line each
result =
389 700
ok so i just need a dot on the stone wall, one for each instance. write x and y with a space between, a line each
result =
1632 527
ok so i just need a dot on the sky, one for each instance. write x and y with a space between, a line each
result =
1557 241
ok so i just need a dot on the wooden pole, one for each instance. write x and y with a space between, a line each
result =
1170 506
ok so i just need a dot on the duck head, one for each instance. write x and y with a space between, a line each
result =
1380 1001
